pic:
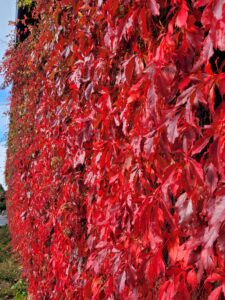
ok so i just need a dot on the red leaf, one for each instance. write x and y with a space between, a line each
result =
182 16
184 83
184 208
143 23
206 53
211 177
154 7
73 86
96 288
197 170
221 84
129 69
173 249
148 145
200 145
79 158
192 279
167 290
214 295
218 9
155 267
201 3
112 6
151 101
129 26
218 212
207 260
172 131
213 278
214 153
122 282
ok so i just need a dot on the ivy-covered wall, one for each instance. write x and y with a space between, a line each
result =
116 163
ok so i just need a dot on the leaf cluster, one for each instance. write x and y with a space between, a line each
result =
23 3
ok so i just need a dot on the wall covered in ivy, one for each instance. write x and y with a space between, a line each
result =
116 158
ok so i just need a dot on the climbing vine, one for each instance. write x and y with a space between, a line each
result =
116 163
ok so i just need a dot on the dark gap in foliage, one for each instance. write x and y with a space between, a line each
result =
165 255
217 61
173 200
203 114
190 4
25 18
161 20
198 24
218 98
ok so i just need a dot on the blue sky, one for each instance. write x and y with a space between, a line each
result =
4 107
7 13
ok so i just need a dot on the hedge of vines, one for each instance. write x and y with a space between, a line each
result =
116 158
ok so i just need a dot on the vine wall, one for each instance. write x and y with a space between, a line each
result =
116 158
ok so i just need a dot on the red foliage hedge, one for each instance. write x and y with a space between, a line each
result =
116 159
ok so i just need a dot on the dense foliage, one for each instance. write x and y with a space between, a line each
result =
23 3
116 160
